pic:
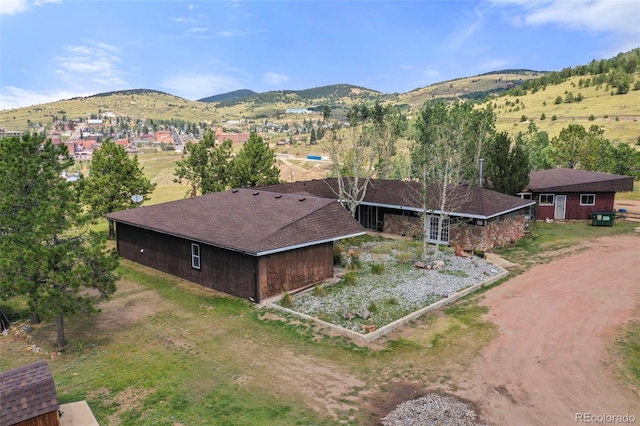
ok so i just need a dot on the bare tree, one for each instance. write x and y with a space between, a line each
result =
364 152
352 164
448 143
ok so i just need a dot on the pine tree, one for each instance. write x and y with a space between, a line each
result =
507 164
47 253
254 165
113 179
205 165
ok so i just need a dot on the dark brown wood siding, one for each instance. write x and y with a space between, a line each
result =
47 419
223 270
294 269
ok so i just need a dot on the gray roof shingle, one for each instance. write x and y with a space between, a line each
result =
27 392
253 221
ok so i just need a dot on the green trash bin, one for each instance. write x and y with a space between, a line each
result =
602 218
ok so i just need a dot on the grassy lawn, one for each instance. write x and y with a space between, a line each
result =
546 241
164 351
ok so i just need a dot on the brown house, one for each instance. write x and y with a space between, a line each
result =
28 396
478 219
249 243
574 194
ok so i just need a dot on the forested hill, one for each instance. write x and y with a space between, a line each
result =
132 92
328 93
230 96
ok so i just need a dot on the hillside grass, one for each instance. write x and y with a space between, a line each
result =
619 115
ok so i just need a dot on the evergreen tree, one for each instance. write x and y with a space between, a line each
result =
47 254
254 165
507 164
205 165
113 179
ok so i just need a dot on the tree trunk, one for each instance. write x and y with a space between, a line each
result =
35 318
112 230
60 331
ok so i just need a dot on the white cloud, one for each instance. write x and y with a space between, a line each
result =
199 30
616 16
198 86
465 30
15 97
11 7
95 62
274 79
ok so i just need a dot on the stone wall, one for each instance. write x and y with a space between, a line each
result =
469 237
398 224
490 236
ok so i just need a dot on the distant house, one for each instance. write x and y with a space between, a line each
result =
573 194
4 133
482 218
249 243
233 137
94 122
163 136
298 111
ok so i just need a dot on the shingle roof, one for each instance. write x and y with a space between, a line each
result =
572 180
253 221
466 201
27 392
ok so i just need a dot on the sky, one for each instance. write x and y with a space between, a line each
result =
58 49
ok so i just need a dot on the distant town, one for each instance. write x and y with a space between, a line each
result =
82 136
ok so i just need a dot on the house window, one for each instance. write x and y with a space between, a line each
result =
433 230
195 256
546 200
587 199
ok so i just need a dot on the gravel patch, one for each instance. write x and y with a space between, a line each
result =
432 409
379 299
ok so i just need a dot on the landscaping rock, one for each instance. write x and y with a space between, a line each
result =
432 409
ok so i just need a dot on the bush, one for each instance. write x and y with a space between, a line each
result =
319 291
377 268
286 301
479 253
338 258
354 261
405 258
349 278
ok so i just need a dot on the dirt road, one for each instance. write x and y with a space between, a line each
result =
558 323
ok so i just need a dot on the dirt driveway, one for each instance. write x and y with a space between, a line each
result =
558 323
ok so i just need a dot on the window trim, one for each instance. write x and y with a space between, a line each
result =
553 199
588 195
195 256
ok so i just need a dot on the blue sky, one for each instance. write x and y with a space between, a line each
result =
57 49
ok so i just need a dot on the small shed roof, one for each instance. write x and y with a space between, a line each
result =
468 201
27 392
252 221
573 180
